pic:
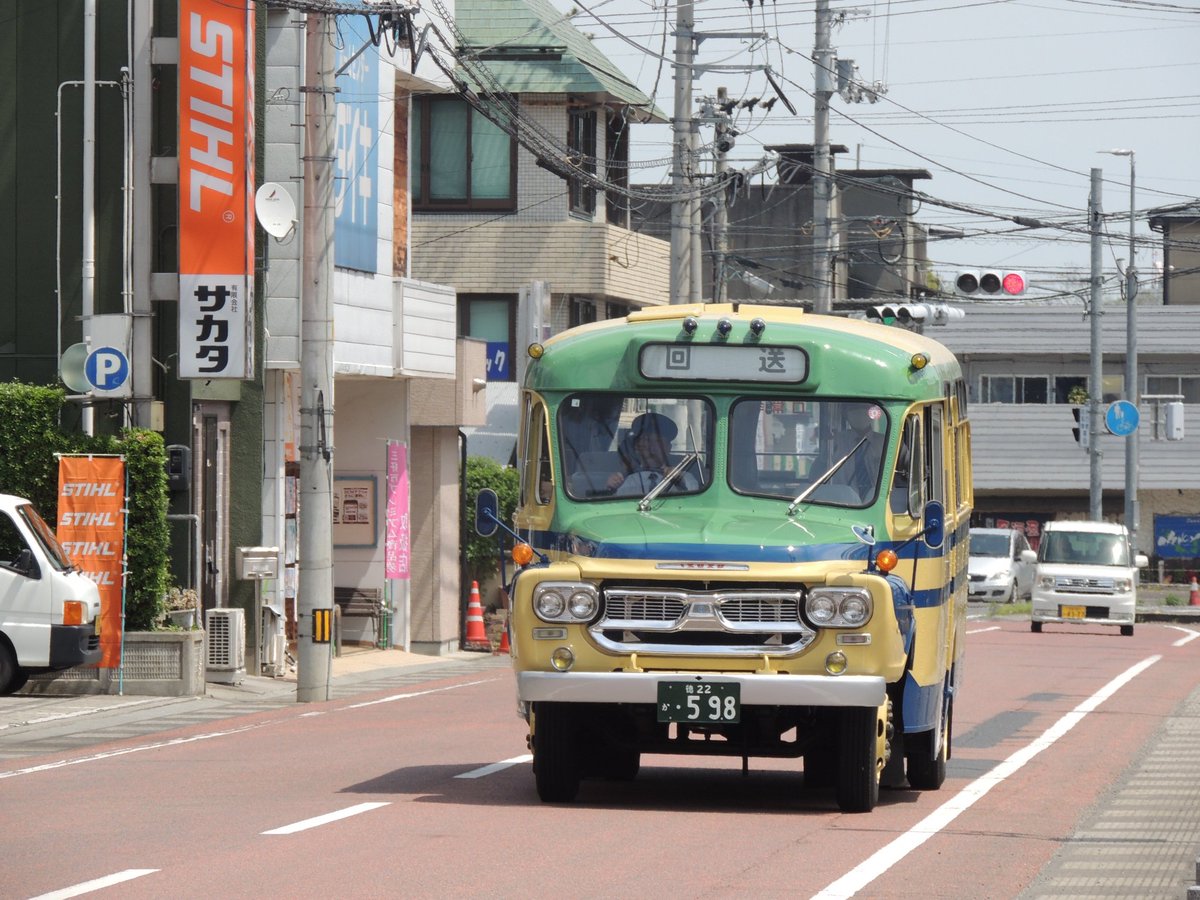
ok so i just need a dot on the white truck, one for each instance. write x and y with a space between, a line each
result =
1086 575
49 611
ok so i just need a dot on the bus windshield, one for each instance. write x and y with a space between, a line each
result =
779 448
623 446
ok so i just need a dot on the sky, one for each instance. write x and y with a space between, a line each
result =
1004 102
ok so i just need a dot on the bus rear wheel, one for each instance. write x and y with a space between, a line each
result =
860 759
556 764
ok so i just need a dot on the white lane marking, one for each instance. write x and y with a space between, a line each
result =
95 757
326 819
886 857
80 712
1191 635
483 771
452 687
96 884
982 630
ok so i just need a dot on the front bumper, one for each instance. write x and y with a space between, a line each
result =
74 645
1109 609
756 690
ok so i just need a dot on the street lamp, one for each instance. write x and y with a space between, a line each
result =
1132 393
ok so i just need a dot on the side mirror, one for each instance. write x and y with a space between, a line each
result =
1141 560
1029 556
487 512
934 534
26 565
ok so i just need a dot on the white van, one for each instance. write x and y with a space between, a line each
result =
996 568
1086 575
49 611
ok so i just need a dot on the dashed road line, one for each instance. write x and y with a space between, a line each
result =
96 884
484 771
317 821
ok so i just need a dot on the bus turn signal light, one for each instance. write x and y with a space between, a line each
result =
886 560
72 612
522 554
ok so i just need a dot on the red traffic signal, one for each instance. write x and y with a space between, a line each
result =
995 284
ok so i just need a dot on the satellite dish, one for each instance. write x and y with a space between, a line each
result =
72 368
275 209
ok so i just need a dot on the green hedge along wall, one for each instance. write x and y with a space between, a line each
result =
30 437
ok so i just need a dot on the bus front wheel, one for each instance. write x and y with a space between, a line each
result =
860 759
555 757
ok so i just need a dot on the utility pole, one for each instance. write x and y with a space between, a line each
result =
721 216
1096 381
822 261
87 285
315 589
683 159
1132 389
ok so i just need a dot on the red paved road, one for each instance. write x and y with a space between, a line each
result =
196 808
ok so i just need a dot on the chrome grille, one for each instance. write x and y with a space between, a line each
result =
1079 585
735 622
760 608
632 607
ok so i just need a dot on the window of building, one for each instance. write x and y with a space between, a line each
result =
491 319
1013 388
616 156
582 312
1187 385
581 142
461 159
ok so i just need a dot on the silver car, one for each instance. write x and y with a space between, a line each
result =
995 568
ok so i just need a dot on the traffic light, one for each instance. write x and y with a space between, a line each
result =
995 284
914 313
1082 429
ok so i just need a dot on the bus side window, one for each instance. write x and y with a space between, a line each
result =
538 476
908 495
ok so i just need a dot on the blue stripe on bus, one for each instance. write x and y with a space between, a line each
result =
735 553
920 705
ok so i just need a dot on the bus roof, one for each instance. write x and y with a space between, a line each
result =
844 357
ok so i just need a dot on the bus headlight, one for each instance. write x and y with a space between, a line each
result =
838 607
565 601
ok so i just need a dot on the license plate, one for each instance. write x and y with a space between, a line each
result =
1074 612
704 702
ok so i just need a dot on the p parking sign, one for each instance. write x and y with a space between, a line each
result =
107 371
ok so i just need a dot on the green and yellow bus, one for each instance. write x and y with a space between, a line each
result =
745 534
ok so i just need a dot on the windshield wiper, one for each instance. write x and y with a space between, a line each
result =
667 480
829 473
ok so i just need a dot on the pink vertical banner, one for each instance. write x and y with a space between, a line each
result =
397 550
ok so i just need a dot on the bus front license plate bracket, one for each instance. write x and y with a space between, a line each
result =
699 702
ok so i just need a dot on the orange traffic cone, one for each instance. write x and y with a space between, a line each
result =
1194 599
477 638
505 649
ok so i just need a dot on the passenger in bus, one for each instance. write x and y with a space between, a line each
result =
646 457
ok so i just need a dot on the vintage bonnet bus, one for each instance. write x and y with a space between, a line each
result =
743 533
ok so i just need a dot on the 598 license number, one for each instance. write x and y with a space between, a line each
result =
704 702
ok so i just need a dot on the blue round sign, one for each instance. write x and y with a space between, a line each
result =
1121 418
106 369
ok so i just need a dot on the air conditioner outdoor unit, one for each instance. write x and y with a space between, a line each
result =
226 645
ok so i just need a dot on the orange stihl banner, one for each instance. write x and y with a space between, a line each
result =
91 528
216 189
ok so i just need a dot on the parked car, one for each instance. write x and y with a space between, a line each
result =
1086 575
49 611
996 568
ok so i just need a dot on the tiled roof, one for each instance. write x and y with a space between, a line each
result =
532 48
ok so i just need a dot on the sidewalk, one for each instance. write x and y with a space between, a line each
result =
38 724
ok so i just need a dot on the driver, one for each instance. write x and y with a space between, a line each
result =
646 454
